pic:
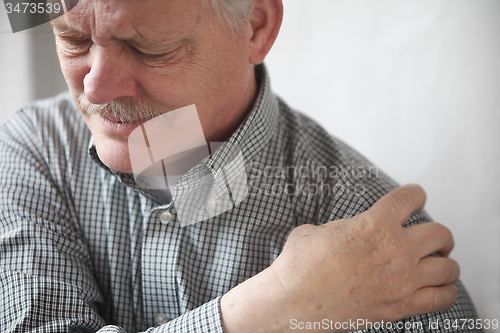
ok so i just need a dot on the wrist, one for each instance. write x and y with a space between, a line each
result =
256 305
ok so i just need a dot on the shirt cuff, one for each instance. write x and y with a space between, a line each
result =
206 318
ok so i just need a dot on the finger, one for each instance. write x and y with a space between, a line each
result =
398 205
436 271
431 238
432 299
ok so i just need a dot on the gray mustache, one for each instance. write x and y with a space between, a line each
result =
123 109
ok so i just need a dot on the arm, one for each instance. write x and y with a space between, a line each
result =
47 278
368 267
32 230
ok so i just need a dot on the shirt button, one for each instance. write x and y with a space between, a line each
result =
165 217
161 319
212 202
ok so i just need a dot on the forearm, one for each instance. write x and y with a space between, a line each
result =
256 305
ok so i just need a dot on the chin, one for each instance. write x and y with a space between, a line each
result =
112 149
114 155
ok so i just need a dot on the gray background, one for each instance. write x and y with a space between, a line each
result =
413 85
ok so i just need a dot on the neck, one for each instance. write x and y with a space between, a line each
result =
224 124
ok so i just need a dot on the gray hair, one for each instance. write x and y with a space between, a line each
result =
232 12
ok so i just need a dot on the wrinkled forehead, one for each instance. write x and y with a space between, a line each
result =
133 18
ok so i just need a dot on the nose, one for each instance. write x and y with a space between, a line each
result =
111 75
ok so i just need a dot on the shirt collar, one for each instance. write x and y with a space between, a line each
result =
255 131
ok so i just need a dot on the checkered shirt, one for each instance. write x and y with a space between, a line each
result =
83 249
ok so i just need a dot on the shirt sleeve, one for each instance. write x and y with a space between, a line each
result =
47 281
206 318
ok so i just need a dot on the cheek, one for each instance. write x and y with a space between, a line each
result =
234 67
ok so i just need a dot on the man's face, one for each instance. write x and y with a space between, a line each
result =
147 57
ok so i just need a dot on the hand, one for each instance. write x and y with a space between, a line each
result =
367 267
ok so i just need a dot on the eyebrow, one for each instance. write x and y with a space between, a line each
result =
139 42
63 30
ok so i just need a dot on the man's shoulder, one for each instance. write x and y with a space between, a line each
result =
45 119
46 133
333 175
46 109
309 141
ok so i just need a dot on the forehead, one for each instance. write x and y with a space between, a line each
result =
132 19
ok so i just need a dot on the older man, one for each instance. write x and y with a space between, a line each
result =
84 248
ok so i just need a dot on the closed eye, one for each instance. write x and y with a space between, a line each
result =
72 36
74 45
150 56
156 58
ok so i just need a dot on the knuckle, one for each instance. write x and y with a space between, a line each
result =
392 249
405 196
444 299
457 269
435 301
393 312
365 228
446 269
420 189
415 188
443 233
454 291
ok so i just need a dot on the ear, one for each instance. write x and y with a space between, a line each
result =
265 22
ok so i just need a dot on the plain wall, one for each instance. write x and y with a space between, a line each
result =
29 68
413 85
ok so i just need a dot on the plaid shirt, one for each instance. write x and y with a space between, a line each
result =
82 248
